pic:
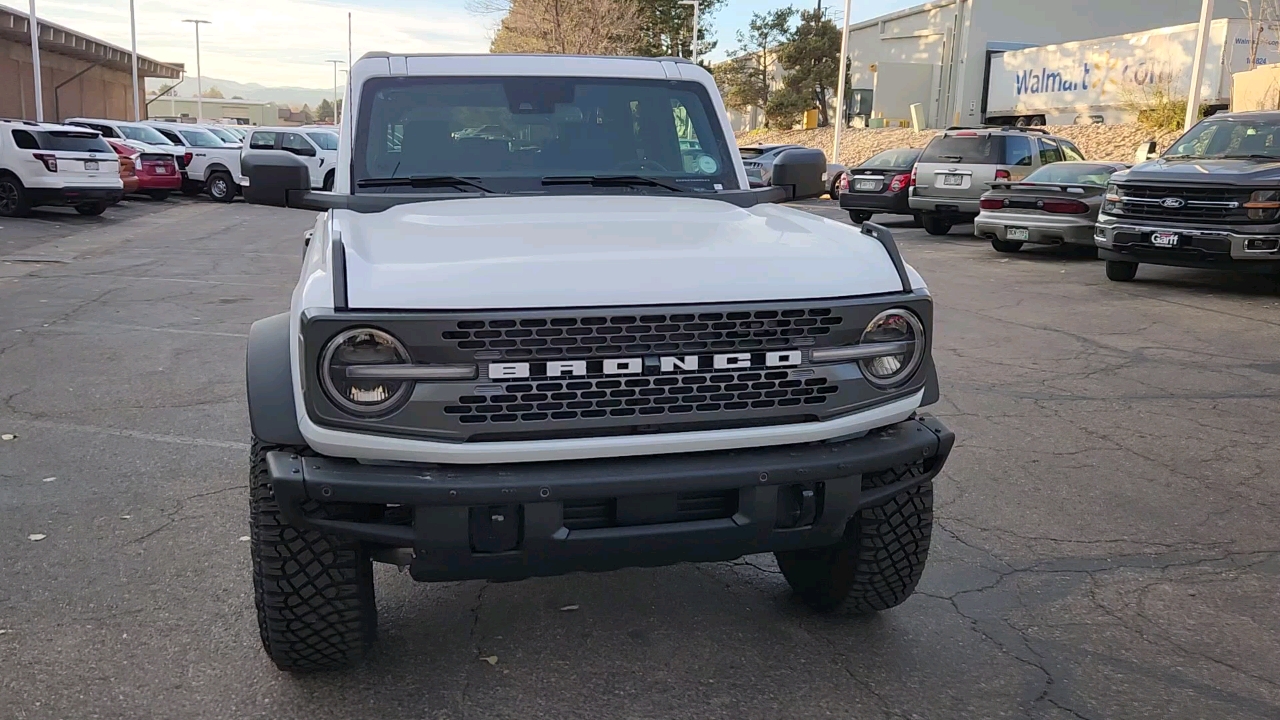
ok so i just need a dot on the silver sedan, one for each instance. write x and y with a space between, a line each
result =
1055 205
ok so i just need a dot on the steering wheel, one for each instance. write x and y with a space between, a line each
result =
641 165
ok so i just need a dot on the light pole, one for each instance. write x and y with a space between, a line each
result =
697 5
844 71
336 63
1197 69
34 25
199 75
133 47
346 80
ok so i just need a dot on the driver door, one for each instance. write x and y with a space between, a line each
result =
300 146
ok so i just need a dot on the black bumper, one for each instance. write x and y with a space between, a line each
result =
743 502
882 202
74 195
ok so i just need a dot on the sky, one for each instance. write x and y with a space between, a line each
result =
286 42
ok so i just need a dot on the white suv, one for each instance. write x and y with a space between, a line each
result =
317 147
47 164
212 165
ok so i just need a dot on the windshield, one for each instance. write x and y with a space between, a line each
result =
326 140
201 138
893 159
1073 174
545 127
225 136
68 141
142 133
1229 138
974 148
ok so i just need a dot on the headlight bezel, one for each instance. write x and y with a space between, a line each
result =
910 363
395 400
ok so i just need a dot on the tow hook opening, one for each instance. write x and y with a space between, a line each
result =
1262 244
496 528
799 505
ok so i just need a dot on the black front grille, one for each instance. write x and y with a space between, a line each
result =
606 335
596 513
669 395
1144 201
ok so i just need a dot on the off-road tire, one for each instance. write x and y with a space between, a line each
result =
13 197
935 225
1006 246
859 216
158 195
1121 271
879 562
221 186
313 592
91 209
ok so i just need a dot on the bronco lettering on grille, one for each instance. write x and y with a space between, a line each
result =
652 365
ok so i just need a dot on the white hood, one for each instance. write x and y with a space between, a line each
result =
591 251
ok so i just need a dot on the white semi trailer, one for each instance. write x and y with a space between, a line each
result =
1105 80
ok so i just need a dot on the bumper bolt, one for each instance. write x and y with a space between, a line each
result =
326 491
453 493
544 492
764 477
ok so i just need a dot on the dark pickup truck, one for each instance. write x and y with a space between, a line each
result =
1211 201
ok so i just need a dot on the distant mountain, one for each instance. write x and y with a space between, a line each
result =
293 96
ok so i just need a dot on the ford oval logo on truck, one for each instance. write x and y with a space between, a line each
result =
1172 203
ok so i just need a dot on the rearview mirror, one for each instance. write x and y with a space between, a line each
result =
1146 151
801 172
271 176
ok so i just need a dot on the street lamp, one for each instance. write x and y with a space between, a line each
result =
336 63
697 4
199 75
133 40
34 25
1197 69
844 71
346 80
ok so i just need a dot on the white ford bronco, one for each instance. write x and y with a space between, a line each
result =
544 325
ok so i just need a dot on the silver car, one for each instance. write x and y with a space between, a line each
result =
758 161
1055 205
959 165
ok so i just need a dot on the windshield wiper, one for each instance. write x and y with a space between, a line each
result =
612 181
423 181
1252 156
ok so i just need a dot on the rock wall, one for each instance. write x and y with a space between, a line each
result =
1098 142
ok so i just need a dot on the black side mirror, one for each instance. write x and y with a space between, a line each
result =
303 151
271 176
802 172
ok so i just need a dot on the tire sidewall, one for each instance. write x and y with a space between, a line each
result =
14 194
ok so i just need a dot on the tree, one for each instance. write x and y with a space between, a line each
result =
324 111
746 80
213 92
1264 18
306 114
811 60
666 28
563 27
339 118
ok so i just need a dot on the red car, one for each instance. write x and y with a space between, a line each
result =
157 173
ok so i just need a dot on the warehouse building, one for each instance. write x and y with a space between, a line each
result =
233 111
81 76
937 54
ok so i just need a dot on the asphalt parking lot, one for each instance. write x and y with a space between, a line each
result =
1107 541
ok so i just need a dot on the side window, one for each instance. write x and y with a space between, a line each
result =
106 130
294 142
1017 151
262 141
174 137
1071 151
25 140
1049 152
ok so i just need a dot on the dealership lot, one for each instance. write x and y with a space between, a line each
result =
1107 541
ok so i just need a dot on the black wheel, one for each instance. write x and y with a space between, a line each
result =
13 197
191 189
158 195
859 216
1006 246
878 563
1121 271
91 209
1037 121
917 220
221 187
833 191
935 225
313 592
328 180
1022 121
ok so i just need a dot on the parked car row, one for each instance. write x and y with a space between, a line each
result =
1211 201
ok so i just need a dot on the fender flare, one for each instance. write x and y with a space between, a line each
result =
273 415
219 167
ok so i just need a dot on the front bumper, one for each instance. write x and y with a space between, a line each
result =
1041 229
75 195
438 509
881 202
1198 247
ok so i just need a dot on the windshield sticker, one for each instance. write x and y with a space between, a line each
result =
707 165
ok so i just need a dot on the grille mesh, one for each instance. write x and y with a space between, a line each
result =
638 334
1187 212
643 396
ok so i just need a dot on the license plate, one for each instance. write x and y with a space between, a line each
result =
162 170
953 180
90 164
865 185
1164 239
1017 233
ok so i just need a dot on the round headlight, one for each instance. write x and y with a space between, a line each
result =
362 395
905 330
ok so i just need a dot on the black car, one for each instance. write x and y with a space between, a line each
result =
879 185
1211 201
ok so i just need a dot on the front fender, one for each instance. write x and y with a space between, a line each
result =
269 382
